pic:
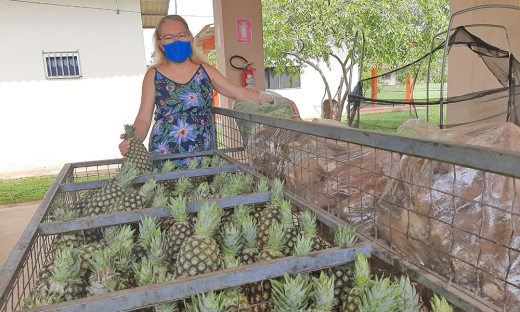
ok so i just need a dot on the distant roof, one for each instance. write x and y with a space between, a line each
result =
152 11
207 32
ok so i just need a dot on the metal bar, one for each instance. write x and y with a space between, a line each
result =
14 262
185 287
455 295
477 157
51 228
87 185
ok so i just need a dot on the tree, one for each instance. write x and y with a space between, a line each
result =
309 32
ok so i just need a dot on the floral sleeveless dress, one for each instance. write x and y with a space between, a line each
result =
182 117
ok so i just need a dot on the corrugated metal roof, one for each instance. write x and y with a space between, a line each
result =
152 11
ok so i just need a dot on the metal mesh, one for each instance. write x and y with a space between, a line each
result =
457 222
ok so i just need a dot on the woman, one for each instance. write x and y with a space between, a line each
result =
180 88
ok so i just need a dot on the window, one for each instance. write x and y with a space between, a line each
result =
272 81
64 64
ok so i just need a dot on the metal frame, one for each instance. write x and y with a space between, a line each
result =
443 70
501 162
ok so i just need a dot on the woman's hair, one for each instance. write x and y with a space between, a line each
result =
160 58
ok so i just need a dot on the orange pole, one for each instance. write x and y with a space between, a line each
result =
409 83
373 73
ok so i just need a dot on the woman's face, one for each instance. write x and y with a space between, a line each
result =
173 31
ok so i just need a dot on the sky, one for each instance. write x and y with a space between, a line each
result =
197 13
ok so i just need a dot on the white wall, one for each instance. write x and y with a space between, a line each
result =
47 123
309 96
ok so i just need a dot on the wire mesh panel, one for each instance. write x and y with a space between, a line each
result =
450 208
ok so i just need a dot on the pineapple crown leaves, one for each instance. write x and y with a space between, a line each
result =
209 302
215 161
101 259
129 131
308 221
178 208
64 214
230 262
148 229
291 294
410 297
193 163
381 296
205 162
286 212
262 185
231 241
440 304
323 292
116 235
303 244
127 173
155 250
144 272
362 270
277 192
67 265
345 236
148 188
160 199
208 219
38 299
184 186
276 239
249 231
219 180
240 212
167 166
202 191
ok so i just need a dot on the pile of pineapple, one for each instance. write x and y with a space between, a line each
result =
100 261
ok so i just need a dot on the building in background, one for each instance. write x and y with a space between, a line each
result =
71 78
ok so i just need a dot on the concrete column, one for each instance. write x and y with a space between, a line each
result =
226 14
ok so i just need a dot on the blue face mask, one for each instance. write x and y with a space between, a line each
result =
177 51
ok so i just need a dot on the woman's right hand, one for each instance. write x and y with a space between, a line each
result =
124 146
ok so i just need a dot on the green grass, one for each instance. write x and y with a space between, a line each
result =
24 190
390 121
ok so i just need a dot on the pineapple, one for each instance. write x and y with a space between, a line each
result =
184 187
180 231
132 199
138 155
271 213
249 235
307 220
104 278
323 295
200 253
169 185
151 238
303 245
202 192
409 297
362 280
275 244
207 302
382 296
231 242
259 292
233 297
120 243
262 186
440 305
110 192
205 162
291 232
240 212
343 274
64 283
291 294
73 239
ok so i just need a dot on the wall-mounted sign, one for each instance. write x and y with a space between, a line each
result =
244 30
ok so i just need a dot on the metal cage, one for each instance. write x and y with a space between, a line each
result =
342 175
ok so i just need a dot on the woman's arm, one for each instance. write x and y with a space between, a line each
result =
228 89
144 116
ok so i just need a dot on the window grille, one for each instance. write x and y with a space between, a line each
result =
284 80
62 64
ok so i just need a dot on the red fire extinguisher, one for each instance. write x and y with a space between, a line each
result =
248 79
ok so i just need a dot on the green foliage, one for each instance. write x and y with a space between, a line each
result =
24 190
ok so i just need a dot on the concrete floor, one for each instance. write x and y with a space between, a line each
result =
13 221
